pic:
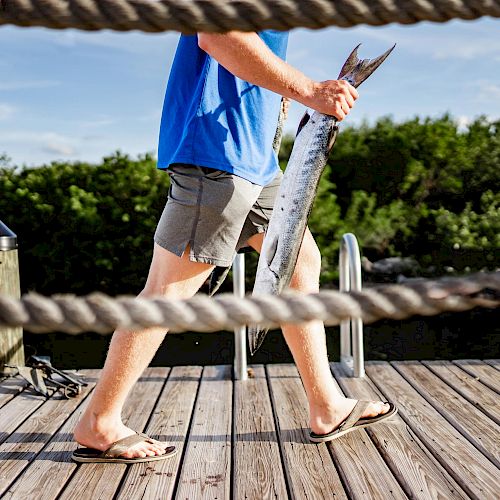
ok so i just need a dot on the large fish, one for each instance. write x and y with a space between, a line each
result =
315 138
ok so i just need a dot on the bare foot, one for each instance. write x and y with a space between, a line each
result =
100 434
325 420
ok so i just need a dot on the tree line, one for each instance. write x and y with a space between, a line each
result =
423 189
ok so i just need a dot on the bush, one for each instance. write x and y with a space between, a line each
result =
83 227
422 189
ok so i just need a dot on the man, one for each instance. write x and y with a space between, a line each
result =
220 114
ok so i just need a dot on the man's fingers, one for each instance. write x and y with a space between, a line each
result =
349 99
345 106
339 113
352 91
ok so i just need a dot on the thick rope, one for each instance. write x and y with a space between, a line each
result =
191 16
103 314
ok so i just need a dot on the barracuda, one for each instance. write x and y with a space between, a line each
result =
315 139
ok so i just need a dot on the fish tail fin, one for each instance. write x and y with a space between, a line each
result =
256 336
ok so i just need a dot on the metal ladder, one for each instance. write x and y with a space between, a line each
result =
351 331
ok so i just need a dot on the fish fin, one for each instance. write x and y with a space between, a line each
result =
303 122
256 336
333 136
356 71
350 63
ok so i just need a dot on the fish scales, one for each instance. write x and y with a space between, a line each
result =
284 235
293 205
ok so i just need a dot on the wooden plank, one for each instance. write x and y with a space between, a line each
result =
467 386
206 471
495 363
10 387
477 476
480 430
11 339
101 480
25 447
258 472
419 474
483 372
310 471
363 470
17 410
170 422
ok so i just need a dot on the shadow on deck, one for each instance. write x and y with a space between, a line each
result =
250 439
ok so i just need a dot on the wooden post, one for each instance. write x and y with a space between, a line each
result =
11 339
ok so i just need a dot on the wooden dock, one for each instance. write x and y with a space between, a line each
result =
248 440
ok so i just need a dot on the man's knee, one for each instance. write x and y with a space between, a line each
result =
306 275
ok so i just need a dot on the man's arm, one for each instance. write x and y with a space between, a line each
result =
248 57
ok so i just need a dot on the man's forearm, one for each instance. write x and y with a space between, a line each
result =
246 56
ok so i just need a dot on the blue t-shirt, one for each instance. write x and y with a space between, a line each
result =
213 119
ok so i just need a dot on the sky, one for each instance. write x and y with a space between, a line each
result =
78 96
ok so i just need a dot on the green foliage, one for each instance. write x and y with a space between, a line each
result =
421 189
82 227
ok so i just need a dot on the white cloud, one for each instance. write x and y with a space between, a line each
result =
59 148
34 84
489 91
98 122
455 40
49 142
6 111
463 122
131 42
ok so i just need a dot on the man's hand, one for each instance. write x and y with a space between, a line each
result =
333 97
248 57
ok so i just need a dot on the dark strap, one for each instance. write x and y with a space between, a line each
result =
355 415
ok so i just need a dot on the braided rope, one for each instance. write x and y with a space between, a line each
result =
191 16
103 314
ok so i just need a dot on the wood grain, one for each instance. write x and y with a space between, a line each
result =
206 470
169 422
310 471
483 372
477 476
473 424
467 386
363 470
11 339
17 410
258 472
10 387
493 362
419 474
25 455
101 480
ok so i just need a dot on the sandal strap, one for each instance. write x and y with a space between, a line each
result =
355 414
122 445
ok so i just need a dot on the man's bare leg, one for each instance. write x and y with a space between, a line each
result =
131 352
307 342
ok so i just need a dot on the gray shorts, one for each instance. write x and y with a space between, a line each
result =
214 212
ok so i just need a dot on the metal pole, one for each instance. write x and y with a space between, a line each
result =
345 326
240 334
351 331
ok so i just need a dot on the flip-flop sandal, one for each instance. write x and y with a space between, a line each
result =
353 422
112 454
